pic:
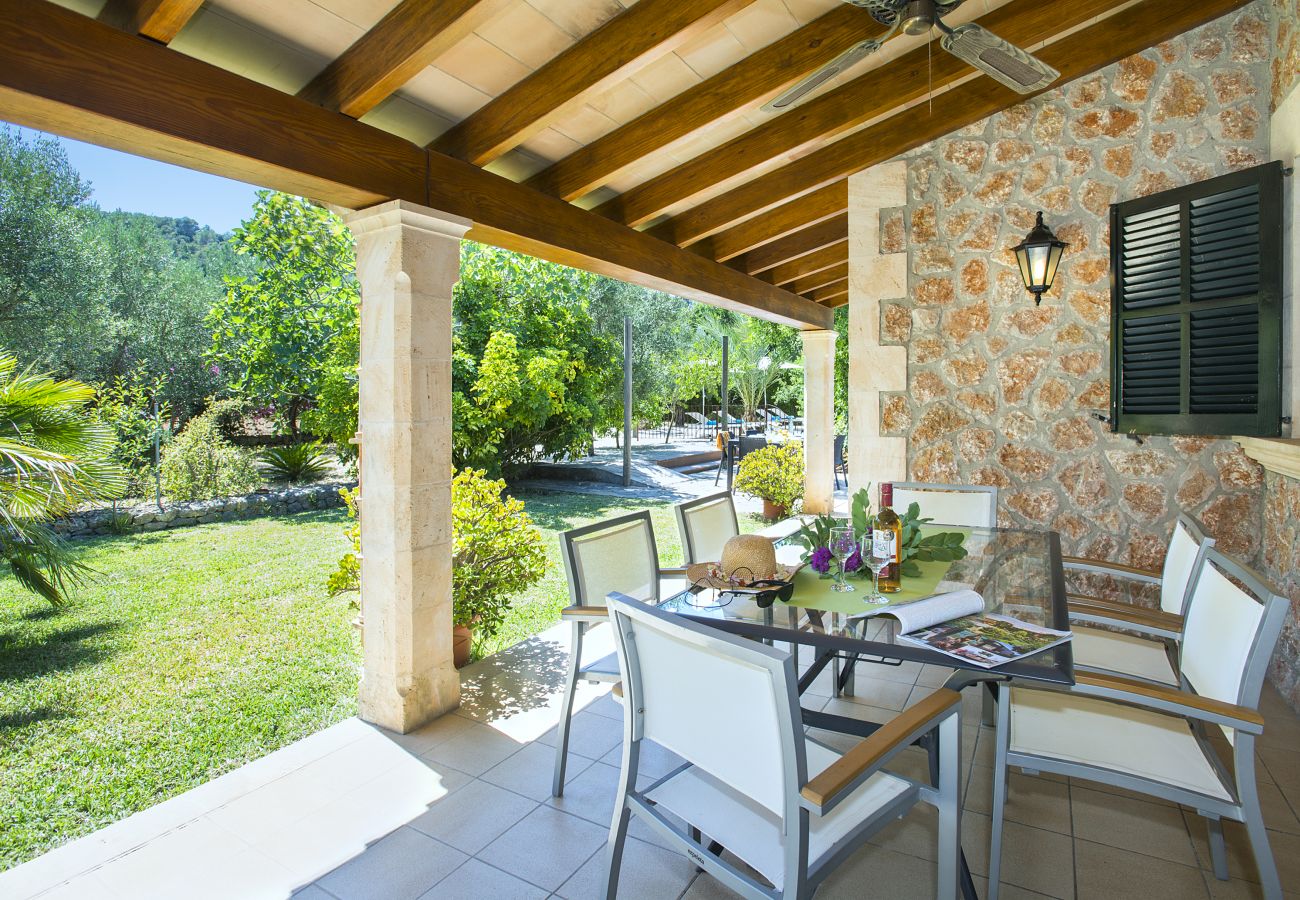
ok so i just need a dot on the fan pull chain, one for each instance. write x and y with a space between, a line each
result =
929 68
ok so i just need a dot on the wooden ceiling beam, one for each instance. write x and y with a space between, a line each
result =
403 43
160 20
832 296
818 261
71 75
764 73
785 220
833 275
1139 27
613 52
783 250
873 94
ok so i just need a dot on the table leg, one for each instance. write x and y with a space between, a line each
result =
931 744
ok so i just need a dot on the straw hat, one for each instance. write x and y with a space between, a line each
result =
746 558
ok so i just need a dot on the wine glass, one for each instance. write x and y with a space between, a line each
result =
876 562
843 545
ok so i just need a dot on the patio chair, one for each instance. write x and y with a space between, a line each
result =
620 555
705 525
753 782
839 464
962 505
1151 654
1155 739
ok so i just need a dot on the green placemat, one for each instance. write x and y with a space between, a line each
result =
814 592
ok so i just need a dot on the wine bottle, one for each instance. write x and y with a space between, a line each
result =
887 540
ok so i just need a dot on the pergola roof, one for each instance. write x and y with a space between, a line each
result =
623 136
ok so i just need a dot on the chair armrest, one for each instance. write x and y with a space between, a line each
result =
842 777
1124 615
585 613
782 530
1102 567
674 570
1167 700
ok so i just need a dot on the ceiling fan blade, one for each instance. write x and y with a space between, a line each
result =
1000 60
857 52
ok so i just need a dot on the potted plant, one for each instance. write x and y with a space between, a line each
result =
774 474
496 554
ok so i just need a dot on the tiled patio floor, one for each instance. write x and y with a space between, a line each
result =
462 809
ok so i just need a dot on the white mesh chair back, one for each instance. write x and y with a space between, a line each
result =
615 556
1229 632
1186 547
974 506
706 525
723 704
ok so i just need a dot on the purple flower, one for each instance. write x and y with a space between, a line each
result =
854 562
821 560
215 370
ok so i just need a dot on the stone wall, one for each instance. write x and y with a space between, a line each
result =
1280 560
148 517
1003 392
1286 54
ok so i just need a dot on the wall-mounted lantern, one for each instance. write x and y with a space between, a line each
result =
1039 254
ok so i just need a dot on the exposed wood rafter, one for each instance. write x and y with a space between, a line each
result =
611 53
410 37
819 261
824 278
1141 26
785 220
873 94
75 76
160 20
763 73
823 234
832 296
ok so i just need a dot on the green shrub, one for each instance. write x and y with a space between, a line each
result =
347 577
774 473
200 463
295 463
497 553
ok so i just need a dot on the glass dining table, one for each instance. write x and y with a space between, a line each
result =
1018 572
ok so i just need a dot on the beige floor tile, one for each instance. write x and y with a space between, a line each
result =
590 735
474 750
648 872
1241 862
1006 891
706 887
531 771
904 673
877 873
916 834
546 848
476 880
1105 873
1032 858
1031 800
474 816
165 866
590 795
1103 788
401 866
655 761
933 676
1135 825
1283 766
879 692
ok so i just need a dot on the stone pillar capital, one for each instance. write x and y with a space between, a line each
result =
412 215
818 338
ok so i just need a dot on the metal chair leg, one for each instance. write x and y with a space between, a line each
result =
566 710
949 807
1003 707
1218 848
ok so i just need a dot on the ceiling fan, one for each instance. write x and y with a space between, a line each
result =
971 43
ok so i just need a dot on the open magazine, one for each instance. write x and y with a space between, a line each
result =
954 624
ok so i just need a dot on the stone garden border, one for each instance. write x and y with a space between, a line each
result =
148 517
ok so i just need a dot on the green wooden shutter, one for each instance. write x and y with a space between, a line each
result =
1196 308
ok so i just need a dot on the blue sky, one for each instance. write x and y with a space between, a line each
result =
136 184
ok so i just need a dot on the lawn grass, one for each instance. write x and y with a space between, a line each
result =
198 650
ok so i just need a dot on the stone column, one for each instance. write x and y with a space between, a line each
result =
818 420
873 367
408 259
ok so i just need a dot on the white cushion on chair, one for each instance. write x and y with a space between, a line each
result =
1123 653
1111 736
751 831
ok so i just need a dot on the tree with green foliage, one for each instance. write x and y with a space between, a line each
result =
273 329
54 456
200 463
334 417
530 376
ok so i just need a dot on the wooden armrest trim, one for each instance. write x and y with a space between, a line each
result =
1124 613
584 612
1161 698
845 771
617 689
1105 567
673 570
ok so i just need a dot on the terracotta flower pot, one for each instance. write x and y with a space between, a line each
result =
462 639
774 511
